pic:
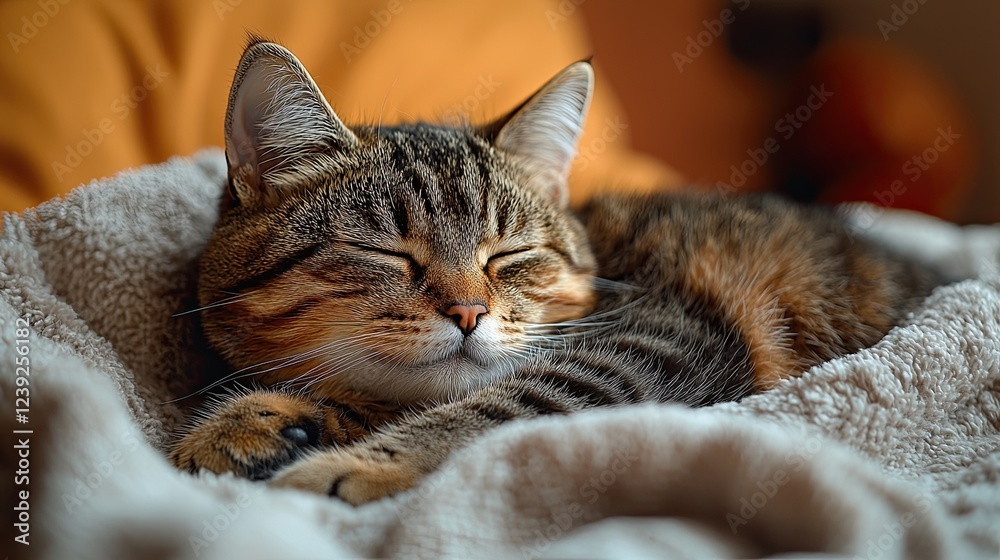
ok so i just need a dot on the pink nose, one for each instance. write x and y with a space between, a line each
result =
465 315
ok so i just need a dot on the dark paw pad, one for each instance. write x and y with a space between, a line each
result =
301 436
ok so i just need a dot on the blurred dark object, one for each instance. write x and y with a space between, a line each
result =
775 38
711 115
873 122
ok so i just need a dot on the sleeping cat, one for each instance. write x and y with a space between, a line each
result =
400 290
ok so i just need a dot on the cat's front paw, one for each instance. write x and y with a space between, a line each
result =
357 475
252 435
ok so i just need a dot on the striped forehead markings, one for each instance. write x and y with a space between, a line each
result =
448 182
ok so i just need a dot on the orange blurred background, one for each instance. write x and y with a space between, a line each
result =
724 94
899 70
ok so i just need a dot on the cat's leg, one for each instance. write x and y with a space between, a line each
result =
391 460
395 458
254 434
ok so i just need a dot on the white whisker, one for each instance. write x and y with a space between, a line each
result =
221 303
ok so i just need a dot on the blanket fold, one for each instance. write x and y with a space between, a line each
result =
893 452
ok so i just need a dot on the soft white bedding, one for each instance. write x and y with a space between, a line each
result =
890 453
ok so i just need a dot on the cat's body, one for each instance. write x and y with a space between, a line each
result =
428 269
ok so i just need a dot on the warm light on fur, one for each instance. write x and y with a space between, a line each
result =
348 265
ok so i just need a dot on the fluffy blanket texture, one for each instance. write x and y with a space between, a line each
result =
890 453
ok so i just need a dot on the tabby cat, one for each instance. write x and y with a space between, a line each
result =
400 290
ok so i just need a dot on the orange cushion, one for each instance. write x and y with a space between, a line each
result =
90 88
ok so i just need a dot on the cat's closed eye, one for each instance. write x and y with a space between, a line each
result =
503 254
503 258
383 252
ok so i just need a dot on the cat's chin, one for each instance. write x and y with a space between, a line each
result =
457 366
440 381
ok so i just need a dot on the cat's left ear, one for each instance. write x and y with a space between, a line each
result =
544 131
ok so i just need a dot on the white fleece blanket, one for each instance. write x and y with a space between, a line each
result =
890 453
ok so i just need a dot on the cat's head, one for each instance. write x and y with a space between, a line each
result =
403 263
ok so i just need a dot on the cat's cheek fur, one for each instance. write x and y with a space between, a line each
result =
572 298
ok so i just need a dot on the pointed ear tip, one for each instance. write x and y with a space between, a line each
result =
258 47
581 70
253 38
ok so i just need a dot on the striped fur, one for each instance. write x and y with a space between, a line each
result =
339 254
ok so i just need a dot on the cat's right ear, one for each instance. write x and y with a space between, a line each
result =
279 127
543 132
